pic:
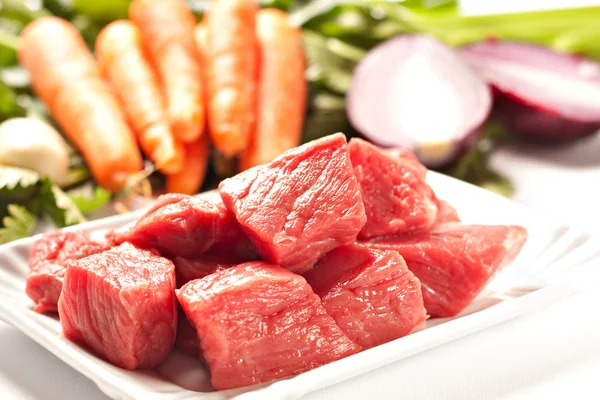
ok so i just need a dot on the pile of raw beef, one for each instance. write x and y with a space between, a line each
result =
329 250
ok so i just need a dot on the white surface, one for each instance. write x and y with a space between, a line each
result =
552 353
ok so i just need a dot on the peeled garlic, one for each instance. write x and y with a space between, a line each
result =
32 143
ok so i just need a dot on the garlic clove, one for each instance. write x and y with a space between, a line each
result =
34 144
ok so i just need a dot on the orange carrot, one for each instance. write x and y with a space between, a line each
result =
281 89
166 28
190 179
67 79
232 67
120 55
200 38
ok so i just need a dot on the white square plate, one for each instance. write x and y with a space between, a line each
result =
552 264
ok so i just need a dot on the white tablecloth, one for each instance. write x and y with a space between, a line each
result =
553 353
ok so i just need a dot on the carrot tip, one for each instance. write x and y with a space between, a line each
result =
186 131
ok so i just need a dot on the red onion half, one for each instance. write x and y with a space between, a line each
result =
542 95
413 91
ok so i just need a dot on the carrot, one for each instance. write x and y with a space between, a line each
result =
190 179
120 55
232 67
281 89
166 28
200 39
67 79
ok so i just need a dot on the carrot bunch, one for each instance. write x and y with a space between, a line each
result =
234 82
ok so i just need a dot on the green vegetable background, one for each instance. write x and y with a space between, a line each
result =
337 34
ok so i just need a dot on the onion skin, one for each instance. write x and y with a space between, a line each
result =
541 96
417 93
539 126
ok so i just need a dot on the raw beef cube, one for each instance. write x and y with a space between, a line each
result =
188 226
43 286
301 205
187 338
48 258
396 196
406 156
446 213
370 294
258 322
455 261
231 240
121 304
177 225
188 269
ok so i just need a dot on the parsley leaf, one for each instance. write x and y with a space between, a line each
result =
89 201
19 223
58 205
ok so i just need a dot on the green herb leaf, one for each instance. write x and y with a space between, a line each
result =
13 177
36 194
76 177
21 11
499 184
9 106
326 115
200 6
102 10
88 200
60 8
474 167
8 43
18 224
17 185
331 61
58 205
88 27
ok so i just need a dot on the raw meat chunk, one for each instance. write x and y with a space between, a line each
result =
121 304
258 322
177 225
187 338
48 258
446 213
188 269
396 196
406 156
188 226
231 240
370 294
301 205
455 261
